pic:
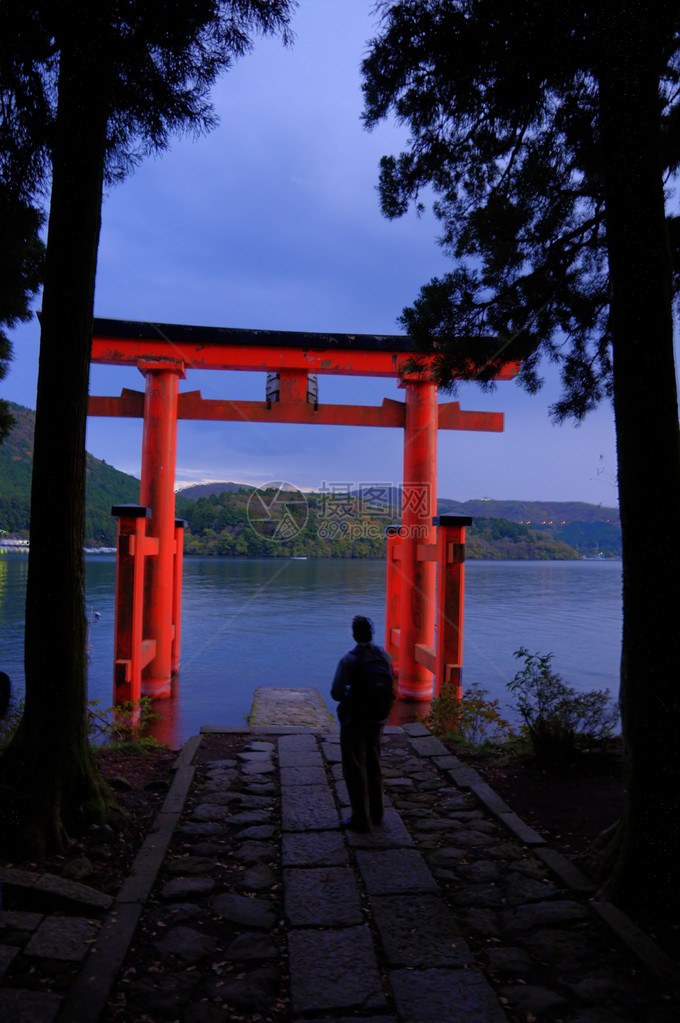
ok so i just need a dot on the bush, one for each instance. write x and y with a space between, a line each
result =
10 722
473 718
125 726
556 716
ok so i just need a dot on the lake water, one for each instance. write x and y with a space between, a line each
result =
286 623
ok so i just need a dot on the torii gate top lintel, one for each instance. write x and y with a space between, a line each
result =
127 341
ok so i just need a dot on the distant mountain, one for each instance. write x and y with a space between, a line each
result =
500 529
532 513
591 530
196 490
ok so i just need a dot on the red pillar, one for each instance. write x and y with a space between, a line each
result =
129 622
419 504
393 595
177 595
450 601
159 448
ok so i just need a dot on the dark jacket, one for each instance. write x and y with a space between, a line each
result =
344 676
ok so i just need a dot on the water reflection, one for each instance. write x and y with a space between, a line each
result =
286 623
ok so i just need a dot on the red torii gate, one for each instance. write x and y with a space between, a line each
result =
147 640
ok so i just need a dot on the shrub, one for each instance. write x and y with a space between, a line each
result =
124 726
10 722
473 718
556 716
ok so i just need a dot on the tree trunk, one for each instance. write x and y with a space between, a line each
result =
644 875
49 765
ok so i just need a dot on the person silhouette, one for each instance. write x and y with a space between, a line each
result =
360 733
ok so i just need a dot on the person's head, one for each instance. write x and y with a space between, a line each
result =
362 629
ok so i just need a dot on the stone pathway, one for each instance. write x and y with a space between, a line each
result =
264 910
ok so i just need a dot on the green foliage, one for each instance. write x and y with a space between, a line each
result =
474 718
105 486
505 126
498 539
10 722
125 726
556 716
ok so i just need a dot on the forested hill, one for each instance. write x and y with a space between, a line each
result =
106 486
531 512
592 530
218 517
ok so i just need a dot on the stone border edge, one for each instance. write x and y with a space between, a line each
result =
86 999
644 948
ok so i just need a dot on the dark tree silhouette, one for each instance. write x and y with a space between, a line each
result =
129 74
24 123
548 133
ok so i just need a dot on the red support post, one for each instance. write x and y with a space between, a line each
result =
450 601
130 650
159 448
177 595
393 596
419 503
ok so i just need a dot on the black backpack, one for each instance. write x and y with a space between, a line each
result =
372 686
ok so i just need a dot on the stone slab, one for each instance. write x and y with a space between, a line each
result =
519 828
308 807
20 1006
19 920
59 891
299 751
565 870
301 706
463 777
414 728
310 774
256 767
187 752
144 870
447 996
187 944
491 800
7 954
66 938
239 909
321 897
428 746
177 793
86 998
314 849
395 872
181 889
331 751
334 970
555 913
391 834
420 931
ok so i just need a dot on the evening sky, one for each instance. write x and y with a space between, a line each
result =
272 221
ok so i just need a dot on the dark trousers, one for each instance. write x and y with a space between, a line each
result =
360 748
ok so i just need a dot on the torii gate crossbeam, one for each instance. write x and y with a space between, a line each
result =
163 353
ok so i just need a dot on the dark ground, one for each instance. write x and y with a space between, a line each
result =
570 808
